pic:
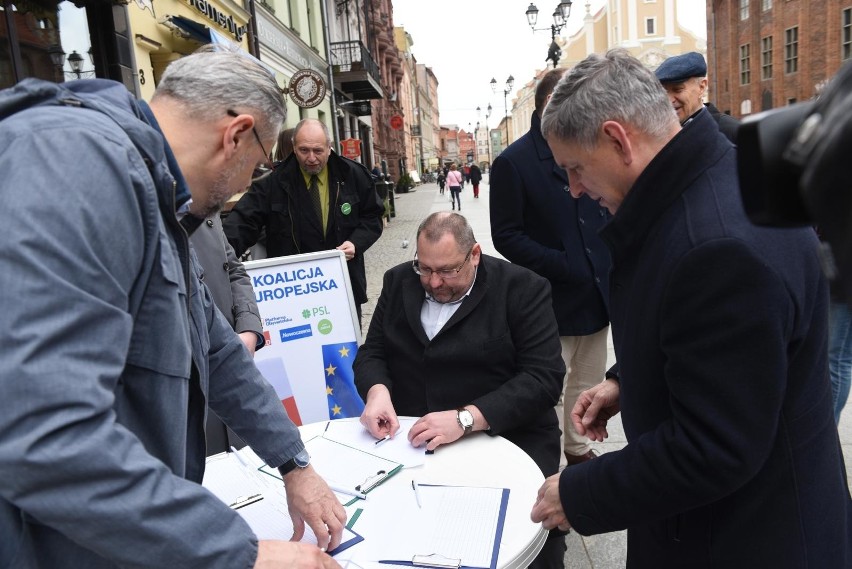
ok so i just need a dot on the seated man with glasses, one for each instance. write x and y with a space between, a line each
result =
467 342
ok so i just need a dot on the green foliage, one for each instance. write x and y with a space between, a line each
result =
404 183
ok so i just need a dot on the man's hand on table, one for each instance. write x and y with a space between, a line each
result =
311 501
379 416
442 427
277 554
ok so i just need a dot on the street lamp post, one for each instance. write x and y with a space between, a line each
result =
75 62
560 17
510 82
487 131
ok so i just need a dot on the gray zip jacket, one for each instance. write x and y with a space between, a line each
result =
111 348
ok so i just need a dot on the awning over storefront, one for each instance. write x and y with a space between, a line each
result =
203 34
192 29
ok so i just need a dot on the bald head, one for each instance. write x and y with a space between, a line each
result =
311 145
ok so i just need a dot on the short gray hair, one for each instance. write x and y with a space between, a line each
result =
213 80
440 223
615 86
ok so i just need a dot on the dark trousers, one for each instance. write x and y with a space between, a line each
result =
454 196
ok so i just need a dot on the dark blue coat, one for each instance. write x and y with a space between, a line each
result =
536 223
733 458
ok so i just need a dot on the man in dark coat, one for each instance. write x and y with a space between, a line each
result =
347 213
536 223
468 343
475 178
684 78
733 459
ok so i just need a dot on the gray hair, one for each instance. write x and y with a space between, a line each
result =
213 80
440 223
615 86
303 122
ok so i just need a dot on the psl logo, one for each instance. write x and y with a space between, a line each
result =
315 312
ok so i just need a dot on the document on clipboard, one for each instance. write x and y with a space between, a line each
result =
263 507
456 527
345 467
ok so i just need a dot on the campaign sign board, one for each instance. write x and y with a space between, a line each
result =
312 334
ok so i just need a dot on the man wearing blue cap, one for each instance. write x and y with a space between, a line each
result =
684 78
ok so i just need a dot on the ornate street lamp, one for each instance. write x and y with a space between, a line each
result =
560 18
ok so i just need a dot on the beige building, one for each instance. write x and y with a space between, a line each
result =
648 29
408 101
428 115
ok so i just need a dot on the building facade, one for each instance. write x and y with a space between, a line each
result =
59 41
763 54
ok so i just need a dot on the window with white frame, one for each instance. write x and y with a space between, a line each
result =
744 9
766 58
765 5
791 50
745 64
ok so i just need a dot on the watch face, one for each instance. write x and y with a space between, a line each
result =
466 418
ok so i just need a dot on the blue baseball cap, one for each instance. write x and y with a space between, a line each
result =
679 68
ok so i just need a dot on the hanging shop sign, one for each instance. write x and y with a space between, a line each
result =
307 88
351 147
396 122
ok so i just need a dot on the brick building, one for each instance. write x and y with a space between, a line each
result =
763 54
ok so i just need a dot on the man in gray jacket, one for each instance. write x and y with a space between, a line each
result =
112 349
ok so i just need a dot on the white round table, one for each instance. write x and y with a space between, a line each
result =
475 460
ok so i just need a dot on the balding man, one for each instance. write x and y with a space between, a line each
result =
314 201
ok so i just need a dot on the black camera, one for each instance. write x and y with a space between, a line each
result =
795 168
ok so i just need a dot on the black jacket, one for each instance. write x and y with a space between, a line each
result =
733 458
536 223
279 203
499 351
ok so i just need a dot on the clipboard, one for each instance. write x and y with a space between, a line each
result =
478 550
345 466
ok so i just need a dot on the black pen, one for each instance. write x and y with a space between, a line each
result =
380 441
244 501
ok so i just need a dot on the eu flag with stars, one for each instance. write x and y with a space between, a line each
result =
343 398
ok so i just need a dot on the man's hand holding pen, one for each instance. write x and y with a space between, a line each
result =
379 416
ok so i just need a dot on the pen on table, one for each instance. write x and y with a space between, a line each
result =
341 490
326 427
380 441
245 501
239 457
416 493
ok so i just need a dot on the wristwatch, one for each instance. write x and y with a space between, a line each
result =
465 419
301 460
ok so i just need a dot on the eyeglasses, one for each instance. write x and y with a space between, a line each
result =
267 155
445 274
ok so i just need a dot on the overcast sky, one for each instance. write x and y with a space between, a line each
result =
467 42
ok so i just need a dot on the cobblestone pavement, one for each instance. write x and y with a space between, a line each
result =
607 551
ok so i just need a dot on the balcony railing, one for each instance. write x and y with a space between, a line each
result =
353 56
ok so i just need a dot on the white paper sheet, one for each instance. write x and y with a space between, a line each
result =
397 449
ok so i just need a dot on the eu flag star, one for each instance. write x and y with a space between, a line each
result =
328 390
330 369
344 352
335 410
